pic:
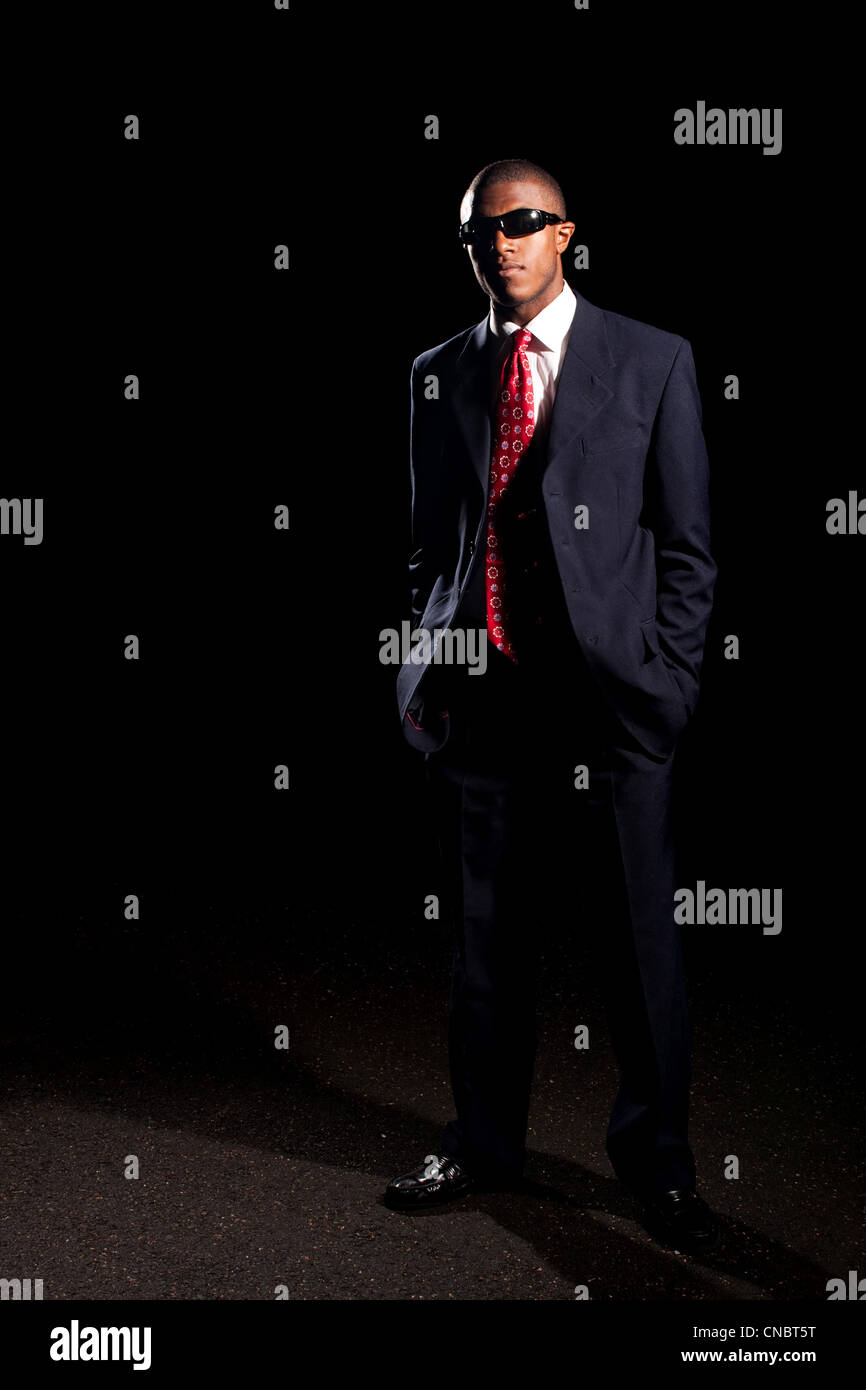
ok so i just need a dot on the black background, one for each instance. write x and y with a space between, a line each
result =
261 388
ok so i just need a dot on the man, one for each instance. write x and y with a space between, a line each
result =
560 504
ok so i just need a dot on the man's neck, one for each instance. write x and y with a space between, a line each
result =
522 314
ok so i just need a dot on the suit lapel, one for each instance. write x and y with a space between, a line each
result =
471 399
580 390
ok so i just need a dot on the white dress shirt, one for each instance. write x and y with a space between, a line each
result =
550 333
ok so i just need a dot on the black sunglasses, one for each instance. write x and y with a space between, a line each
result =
520 222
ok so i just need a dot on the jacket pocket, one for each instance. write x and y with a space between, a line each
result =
648 628
654 652
606 443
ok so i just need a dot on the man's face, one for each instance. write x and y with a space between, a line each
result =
516 271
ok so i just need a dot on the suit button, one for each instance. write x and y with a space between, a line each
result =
592 638
576 589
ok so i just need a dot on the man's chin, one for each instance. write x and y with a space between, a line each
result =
504 299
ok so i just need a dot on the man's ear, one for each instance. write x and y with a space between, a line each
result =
564 233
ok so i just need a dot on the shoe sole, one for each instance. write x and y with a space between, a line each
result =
685 1244
397 1202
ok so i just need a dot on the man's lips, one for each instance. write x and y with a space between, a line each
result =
508 269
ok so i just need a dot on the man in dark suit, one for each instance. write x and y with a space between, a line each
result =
560 508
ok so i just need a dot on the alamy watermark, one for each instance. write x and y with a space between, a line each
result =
20 1290
76 1343
736 126
22 516
729 907
443 646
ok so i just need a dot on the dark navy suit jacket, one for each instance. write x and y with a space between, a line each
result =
626 442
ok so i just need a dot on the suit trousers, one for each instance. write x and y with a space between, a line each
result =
525 853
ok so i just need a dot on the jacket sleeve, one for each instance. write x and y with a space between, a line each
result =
678 486
423 567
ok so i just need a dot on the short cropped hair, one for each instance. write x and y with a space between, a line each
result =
520 171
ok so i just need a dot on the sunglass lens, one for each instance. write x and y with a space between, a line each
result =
521 222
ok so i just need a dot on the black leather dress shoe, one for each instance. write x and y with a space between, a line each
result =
440 1178
680 1218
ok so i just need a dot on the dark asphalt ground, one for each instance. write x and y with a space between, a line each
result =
260 1168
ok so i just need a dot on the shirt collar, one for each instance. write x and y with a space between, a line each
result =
549 327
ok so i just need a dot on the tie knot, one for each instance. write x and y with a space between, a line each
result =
521 339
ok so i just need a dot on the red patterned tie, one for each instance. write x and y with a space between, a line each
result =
515 423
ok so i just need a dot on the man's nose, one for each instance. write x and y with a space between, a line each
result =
498 242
